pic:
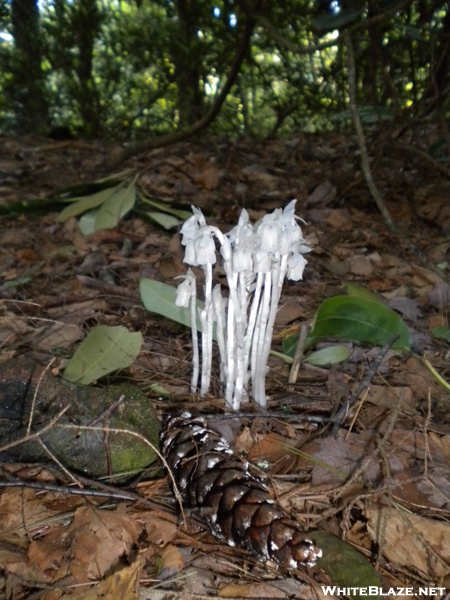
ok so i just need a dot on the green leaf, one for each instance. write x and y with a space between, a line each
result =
86 224
159 298
79 206
328 356
441 333
345 565
166 221
181 214
105 349
358 291
289 344
115 207
358 320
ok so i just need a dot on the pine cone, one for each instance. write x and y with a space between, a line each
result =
235 504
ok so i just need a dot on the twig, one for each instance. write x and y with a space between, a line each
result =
66 490
299 353
59 463
270 415
366 166
204 122
366 462
342 413
34 436
108 412
33 404
355 416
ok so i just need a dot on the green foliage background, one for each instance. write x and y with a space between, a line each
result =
130 69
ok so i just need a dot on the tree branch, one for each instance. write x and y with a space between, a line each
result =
203 123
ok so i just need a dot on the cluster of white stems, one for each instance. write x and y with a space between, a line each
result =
256 260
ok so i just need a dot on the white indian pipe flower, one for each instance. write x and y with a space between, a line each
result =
269 234
262 261
185 289
187 294
192 225
256 260
242 259
205 249
296 265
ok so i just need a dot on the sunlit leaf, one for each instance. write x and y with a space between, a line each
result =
105 349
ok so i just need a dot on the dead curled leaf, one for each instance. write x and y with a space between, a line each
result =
172 562
409 540
123 584
97 539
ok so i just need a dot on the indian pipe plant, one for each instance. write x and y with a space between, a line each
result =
256 260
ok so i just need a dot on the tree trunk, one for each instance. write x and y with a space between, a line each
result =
29 81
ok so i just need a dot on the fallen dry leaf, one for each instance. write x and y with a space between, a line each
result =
409 540
360 265
172 562
22 513
123 585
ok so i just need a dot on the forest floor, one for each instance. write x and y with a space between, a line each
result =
379 491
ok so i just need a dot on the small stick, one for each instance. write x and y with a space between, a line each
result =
304 330
366 462
108 412
342 413
33 436
66 490
33 404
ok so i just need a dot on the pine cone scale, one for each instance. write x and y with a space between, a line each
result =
236 505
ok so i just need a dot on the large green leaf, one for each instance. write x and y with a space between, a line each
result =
159 298
115 207
105 349
358 320
79 206
345 565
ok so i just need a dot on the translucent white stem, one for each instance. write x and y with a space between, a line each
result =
249 337
207 329
219 317
194 334
279 274
243 297
230 354
258 365
241 357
